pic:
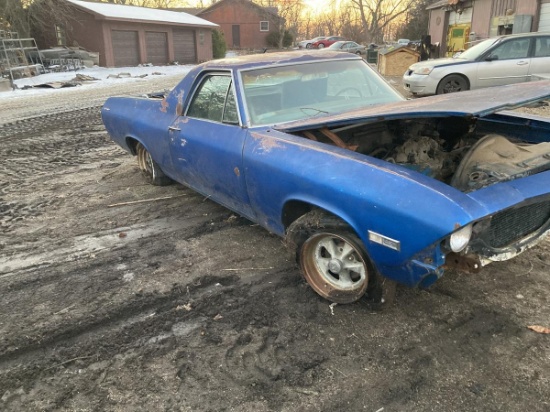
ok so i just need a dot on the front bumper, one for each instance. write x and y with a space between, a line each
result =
419 84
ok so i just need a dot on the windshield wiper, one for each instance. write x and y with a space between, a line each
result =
319 111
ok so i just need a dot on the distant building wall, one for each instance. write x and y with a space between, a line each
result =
438 30
240 23
481 19
95 34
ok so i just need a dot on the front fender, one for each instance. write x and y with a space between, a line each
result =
377 199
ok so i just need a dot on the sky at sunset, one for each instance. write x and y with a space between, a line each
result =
313 5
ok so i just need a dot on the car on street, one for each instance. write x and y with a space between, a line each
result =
327 41
492 62
348 46
307 44
363 185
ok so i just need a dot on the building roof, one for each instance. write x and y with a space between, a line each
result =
273 11
252 61
189 10
120 12
393 49
443 3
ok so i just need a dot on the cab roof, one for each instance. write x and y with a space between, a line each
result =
278 58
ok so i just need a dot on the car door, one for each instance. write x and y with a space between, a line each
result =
540 62
207 144
349 47
353 47
507 63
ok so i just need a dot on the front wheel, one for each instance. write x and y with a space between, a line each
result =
452 83
331 257
321 46
150 169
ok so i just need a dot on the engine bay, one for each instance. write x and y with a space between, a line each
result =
447 149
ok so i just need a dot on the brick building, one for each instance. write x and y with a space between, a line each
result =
455 24
245 25
129 35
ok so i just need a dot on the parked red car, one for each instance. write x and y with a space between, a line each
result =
327 41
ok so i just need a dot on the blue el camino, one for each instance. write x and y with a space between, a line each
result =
363 184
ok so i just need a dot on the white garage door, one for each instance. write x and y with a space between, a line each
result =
544 23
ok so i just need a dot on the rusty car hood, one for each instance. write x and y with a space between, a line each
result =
476 103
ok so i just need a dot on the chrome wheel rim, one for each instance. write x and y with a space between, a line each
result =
335 267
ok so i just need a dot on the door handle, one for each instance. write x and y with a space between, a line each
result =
522 63
174 129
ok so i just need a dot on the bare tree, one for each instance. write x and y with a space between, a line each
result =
350 23
416 21
330 21
13 17
377 16
306 26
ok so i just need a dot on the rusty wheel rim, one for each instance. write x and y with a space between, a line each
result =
335 267
145 162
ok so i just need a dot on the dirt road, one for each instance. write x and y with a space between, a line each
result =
120 296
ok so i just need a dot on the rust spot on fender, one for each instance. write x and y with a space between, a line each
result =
164 106
266 144
182 120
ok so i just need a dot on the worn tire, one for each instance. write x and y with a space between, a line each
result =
452 83
150 169
331 257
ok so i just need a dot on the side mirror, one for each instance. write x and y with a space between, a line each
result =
490 58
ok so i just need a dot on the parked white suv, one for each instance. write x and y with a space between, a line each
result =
493 62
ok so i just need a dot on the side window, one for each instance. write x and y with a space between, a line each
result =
542 47
512 49
214 100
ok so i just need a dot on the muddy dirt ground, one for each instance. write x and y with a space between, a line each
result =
120 296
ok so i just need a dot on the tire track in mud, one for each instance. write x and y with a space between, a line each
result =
46 148
150 320
127 324
52 121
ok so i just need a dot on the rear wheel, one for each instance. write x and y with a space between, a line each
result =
150 169
308 46
331 257
452 83
321 46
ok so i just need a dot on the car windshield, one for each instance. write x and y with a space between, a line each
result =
475 51
301 91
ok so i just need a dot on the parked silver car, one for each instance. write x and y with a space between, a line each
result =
348 46
493 62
